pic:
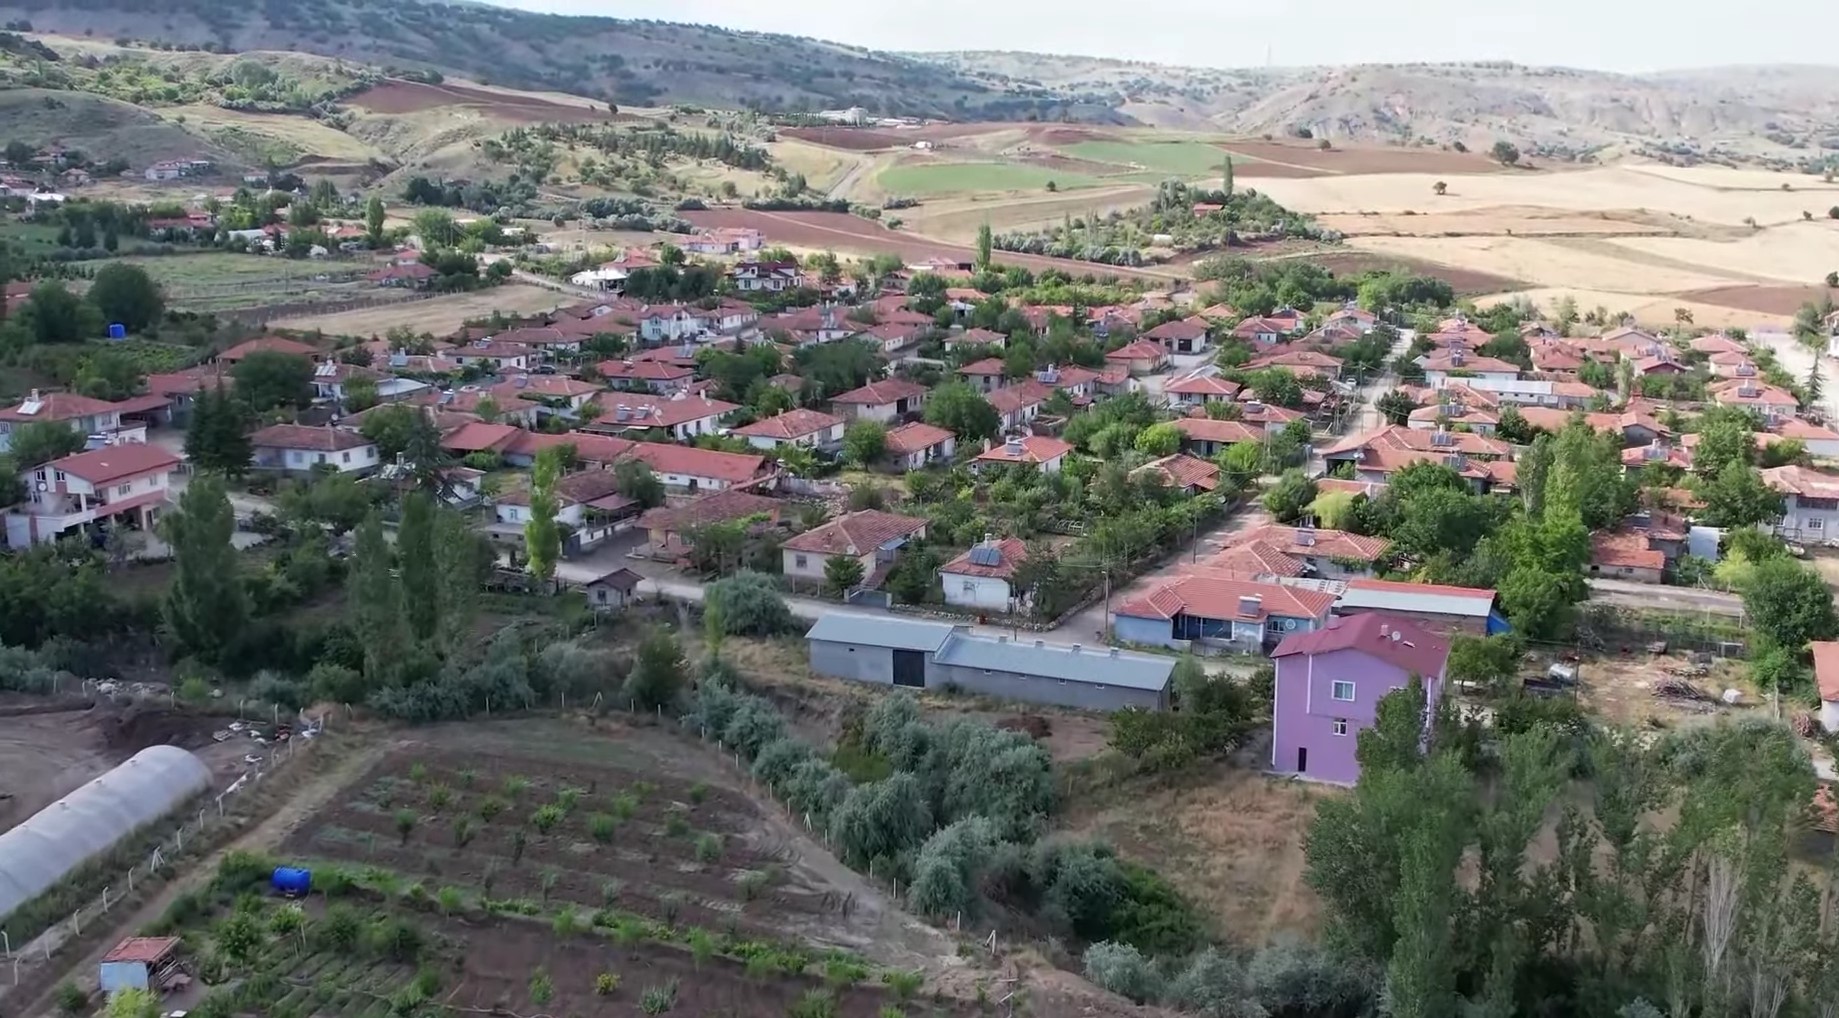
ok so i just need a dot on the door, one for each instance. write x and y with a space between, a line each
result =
910 668
1302 759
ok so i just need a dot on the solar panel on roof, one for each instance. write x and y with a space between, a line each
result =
986 557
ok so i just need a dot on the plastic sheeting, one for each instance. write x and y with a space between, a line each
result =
89 821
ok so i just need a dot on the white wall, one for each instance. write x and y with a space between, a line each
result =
345 461
984 592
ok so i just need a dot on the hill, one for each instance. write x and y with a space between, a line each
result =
102 127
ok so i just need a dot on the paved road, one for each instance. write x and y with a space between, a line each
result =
1649 595
1380 384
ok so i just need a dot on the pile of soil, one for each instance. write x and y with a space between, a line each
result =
132 729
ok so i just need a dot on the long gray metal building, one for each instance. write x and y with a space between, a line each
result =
935 655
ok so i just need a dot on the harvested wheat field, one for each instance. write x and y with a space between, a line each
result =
1551 262
1227 837
436 315
1654 310
957 219
1356 160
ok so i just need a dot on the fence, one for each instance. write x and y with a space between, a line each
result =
206 816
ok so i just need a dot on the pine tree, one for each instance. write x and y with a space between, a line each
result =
464 564
415 549
1226 178
986 241
205 607
1812 385
427 460
215 441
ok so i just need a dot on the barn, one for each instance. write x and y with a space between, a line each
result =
935 655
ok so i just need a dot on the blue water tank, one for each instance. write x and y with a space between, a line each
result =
293 882
118 331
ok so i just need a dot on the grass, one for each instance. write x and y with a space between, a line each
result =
1187 158
223 281
939 179
35 238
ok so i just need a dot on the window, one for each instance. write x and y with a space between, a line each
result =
59 474
1815 523
970 586
322 457
1340 727
798 561
1342 691
344 457
123 489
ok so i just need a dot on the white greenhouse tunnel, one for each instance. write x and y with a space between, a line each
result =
63 836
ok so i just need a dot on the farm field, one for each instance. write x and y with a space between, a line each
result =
928 179
221 281
437 315
1178 158
272 138
957 219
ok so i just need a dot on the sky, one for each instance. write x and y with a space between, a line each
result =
1615 35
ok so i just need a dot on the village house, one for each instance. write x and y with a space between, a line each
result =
472 399
981 577
555 395
1261 331
1750 394
725 241
1206 437
1079 383
1826 681
1353 316
1456 365
550 341
1627 554
1810 502
1017 405
1039 451
612 591
884 401
632 374
682 416
986 375
669 529
589 509
1328 554
299 448
1140 357
1301 363
1201 386
872 537
975 337
1329 684
481 436
917 445
1269 416
811 429
1524 392
766 277
94 419
605 276
492 356
116 485
1376 455
893 337
267 344
404 276
1181 336
1443 610
1182 472
1209 612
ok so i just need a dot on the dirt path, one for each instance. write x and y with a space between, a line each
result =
315 792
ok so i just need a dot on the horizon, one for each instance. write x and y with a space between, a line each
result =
1633 37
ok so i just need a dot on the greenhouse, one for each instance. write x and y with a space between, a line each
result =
89 821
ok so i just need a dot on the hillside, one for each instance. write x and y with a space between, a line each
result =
626 62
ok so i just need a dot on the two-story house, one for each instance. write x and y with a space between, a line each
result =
885 401
494 356
986 376
1183 335
1455 364
299 448
766 277
124 485
681 415
1199 387
556 395
1329 684
1017 405
1810 502
589 509
812 429
81 414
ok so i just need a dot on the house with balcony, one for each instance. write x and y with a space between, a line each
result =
1182 336
116 485
767 277
1208 611
1329 684
1810 502
300 449
97 419
870 536
589 510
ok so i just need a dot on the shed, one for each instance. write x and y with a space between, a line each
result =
138 963
89 821
867 648
612 590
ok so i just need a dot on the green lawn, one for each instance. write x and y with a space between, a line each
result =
35 238
1185 158
936 179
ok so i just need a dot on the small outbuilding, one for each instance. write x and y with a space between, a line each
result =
139 963
936 655
612 591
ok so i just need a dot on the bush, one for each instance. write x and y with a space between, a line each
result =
659 999
605 984
750 604
1123 970
945 875
882 819
708 847
1296 978
70 999
546 818
777 760
754 726
601 826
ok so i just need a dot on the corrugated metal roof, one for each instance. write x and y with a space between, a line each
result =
873 631
1417 597
1099 665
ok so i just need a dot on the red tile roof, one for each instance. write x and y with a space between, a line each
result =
644 371
300 436
913 437
1035 449
1625 548
1190 328
57 406
689 461
543 387
857 533
721 507
182 383
1203 382
977 337
479 436
111 463
589 448
1219 597
578 488
1183 471
987 366
1010 552
1456 361
1137 350
1012 398
1316 542
1826 668
273 344
793 424
649 410
145 950
886 391
1394 639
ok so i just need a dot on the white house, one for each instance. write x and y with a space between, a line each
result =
493 355
89 417
610 278
682 415
1443 366
812 429
298 448
125 484
1017 405
1826 677
588 504
916 445
1810 501
870 536
766 277
883 401
1034 450
981 577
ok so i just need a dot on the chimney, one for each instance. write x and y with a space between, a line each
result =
1250 605
1305 537
1254 407
1455 359
521 381
1013 447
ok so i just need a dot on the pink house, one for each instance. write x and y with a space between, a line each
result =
1330 682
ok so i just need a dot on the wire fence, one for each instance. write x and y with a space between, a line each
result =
207 815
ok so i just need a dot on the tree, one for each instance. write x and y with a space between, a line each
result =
415 552
1226 178
389 427
963 411
865 442
360 394
1159 440
267 379
375 604
749 604
658 675
1290 497
55 315
1487 661
634 479
1440 188
373 221
1738 497
842 573
1788 604
985 242
205 607
1505 153
132 1003
127 296
1277 386
542 535
1396 406
40 442
338 501
108 374
216 439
